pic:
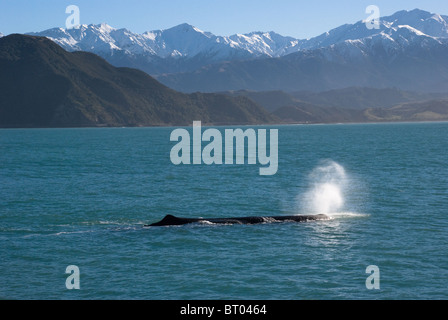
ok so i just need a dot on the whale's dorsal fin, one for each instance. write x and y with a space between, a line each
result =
168 220
171 220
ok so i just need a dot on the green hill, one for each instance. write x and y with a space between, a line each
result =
42 85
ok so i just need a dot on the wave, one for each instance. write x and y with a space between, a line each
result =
111 222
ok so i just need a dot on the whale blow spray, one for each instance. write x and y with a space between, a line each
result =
326 192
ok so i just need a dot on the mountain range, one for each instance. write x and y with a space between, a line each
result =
42 85
408 51
88 76
181 48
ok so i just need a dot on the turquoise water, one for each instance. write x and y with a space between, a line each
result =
81 197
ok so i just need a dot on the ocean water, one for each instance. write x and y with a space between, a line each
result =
82 197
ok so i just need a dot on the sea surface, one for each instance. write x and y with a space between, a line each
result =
82 197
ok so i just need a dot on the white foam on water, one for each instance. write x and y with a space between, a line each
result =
341 215
70 232
206 222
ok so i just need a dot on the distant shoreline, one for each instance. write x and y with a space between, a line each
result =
231 125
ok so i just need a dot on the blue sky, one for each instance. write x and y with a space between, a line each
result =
296 18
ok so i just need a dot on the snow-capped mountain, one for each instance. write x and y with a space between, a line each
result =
187 49
187 41
377 62
178 49
433 25
386 45
1 35
396 55
180 41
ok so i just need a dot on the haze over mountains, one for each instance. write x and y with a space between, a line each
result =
353 104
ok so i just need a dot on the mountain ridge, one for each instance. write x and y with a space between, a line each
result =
42 85
185 48
409 51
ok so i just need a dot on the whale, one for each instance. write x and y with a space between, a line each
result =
171 220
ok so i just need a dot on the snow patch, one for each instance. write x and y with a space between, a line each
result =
417 32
